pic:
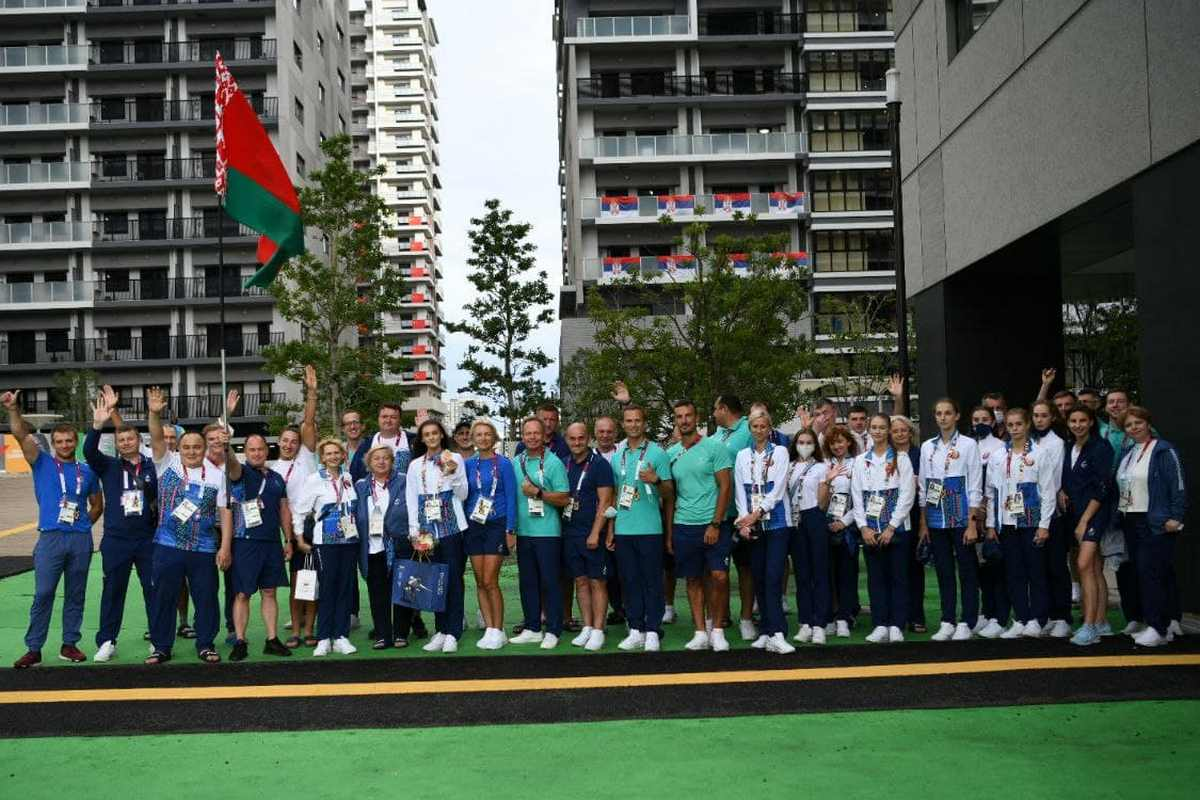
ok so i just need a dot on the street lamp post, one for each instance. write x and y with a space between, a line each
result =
893 116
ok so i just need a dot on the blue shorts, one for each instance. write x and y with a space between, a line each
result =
257 564
1093 534
486 539
580 562
693 557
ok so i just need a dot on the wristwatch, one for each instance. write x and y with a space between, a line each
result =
539 493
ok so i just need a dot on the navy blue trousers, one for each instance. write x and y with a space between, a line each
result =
768 565
337 574
1025 571
119 556
58 555
993 587
949 551
1153 558
539 564
809 548
887 581
1058 573
845 575
450 551
640 561
171 567
916 584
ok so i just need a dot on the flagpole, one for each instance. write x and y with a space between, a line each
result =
221 292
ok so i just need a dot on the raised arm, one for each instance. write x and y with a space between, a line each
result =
899 396
1048 376
308 426
19 427
156 402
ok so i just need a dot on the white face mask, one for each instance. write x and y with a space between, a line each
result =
805 451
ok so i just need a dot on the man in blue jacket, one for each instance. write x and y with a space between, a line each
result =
130 517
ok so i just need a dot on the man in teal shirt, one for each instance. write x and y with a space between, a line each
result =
542 479
733 431
701 468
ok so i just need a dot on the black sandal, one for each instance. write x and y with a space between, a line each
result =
380 644
157 657
293 642
210 656
310 641
185 631
400 642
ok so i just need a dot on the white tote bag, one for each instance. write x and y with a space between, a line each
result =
306 580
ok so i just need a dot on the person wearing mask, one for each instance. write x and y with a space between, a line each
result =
700 537
809 541
491 517
381 516
194 537
642 479
590 485
950 497
1152 500
542 479
69 501
1058 574
903 434
130 515
297 460
437 487
993 587
1084 500
995 403
764 518
883 491
604 431
261 516
733 431
1021 492
856 421
835 497
327 496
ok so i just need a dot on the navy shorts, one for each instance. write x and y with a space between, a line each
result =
1093 534
580 562
257 564
486 539
741 547
693 557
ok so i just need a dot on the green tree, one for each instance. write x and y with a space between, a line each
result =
72 396
860 330
339 297
512 301
1102 344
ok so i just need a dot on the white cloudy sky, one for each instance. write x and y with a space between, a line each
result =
499 138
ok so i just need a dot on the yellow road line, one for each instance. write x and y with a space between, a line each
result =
591 681
29 526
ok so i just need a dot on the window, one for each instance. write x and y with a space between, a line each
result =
847 70
853 251
848 131
58 276
301 166
57 341
854 312
341 34
298 110
118 338
341 80
320 93
848 16
851 190
298 55
320 43
966 17
341 124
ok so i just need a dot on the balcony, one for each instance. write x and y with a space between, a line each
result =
221 8
698 147
716 207
47 296
43 118
632 27
738 25
49 235
45 176
107 172
158 112
172 289
713 84
159 348
866 16
30 8
160 229
109 56
675 268
43 58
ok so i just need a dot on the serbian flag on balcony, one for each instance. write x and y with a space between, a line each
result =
619 205
740 262
729 203
673 264
677 205
787 202
614 266
797 258
252 181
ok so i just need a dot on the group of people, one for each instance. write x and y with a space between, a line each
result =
1005 512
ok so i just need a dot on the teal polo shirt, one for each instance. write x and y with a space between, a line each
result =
644 517
694 471
736 439
549 473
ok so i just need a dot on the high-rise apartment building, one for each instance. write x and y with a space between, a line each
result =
394 125
775 108
108 219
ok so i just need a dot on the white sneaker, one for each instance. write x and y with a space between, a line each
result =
450 645
488 640
895 635
151 649
652 643
699 641
945 631
106 652
991 629
633 641
322 648
818 636
831 629
1033 629
342 645
779 644
962 632
1149 638
843 629
527 637
354 623
761 642
1133 628
595 640
549 641
981 622
708 625
878 635
1059 630
669 615
1015 632
748 631
435 644
1174 629
501 637
582 638
805 633
717 638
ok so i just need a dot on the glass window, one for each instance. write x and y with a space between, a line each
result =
848 131
853 251
847 70
851 190
848 16
968 16
854 312
298 111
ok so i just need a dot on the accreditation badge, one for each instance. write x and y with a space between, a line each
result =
482 510
1015 503
875 506
433 509
628 495
185 510
535 506
375 524
132 502
933 493
68 512
347 526
839 504
252 513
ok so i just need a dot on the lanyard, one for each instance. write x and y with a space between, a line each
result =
541 469
637 466
374 499
890 455
949 452
769 452
1125 465
424 465
187 483
62 481
265 474
137 473
586 465
1008 463
726 434
396 446
495 460
288 478
337 481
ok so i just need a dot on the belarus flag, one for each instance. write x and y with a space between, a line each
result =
678 205
729 203
619 205
787 202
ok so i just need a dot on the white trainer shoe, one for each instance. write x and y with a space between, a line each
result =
991 629
669 615
1133 628
699 641
595 640
652 643
450 645
527 637
1015 632
761 642
582 638
487 641
962 632
323 647
843 629
635 640
805 633
106 652
1174 629
342 645
718 641
944 632
779 644
818 636
1033 629
1149 638
981 622
895 635
1059 630
748 631
549 642
880 634
435 644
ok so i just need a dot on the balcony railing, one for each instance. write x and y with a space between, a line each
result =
750 23
723 82
170 289
44 114
704 144
128 3
185 52
48 292
34 5
43 55
153 169
866 15
45 232
46 172
204 406
156 229
651 207
612 27
157 109
157 348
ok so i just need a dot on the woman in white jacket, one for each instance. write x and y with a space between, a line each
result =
810 539
883 491
1046 423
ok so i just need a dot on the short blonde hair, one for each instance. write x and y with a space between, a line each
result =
321 445
762 412
384 448
487 423
912 429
